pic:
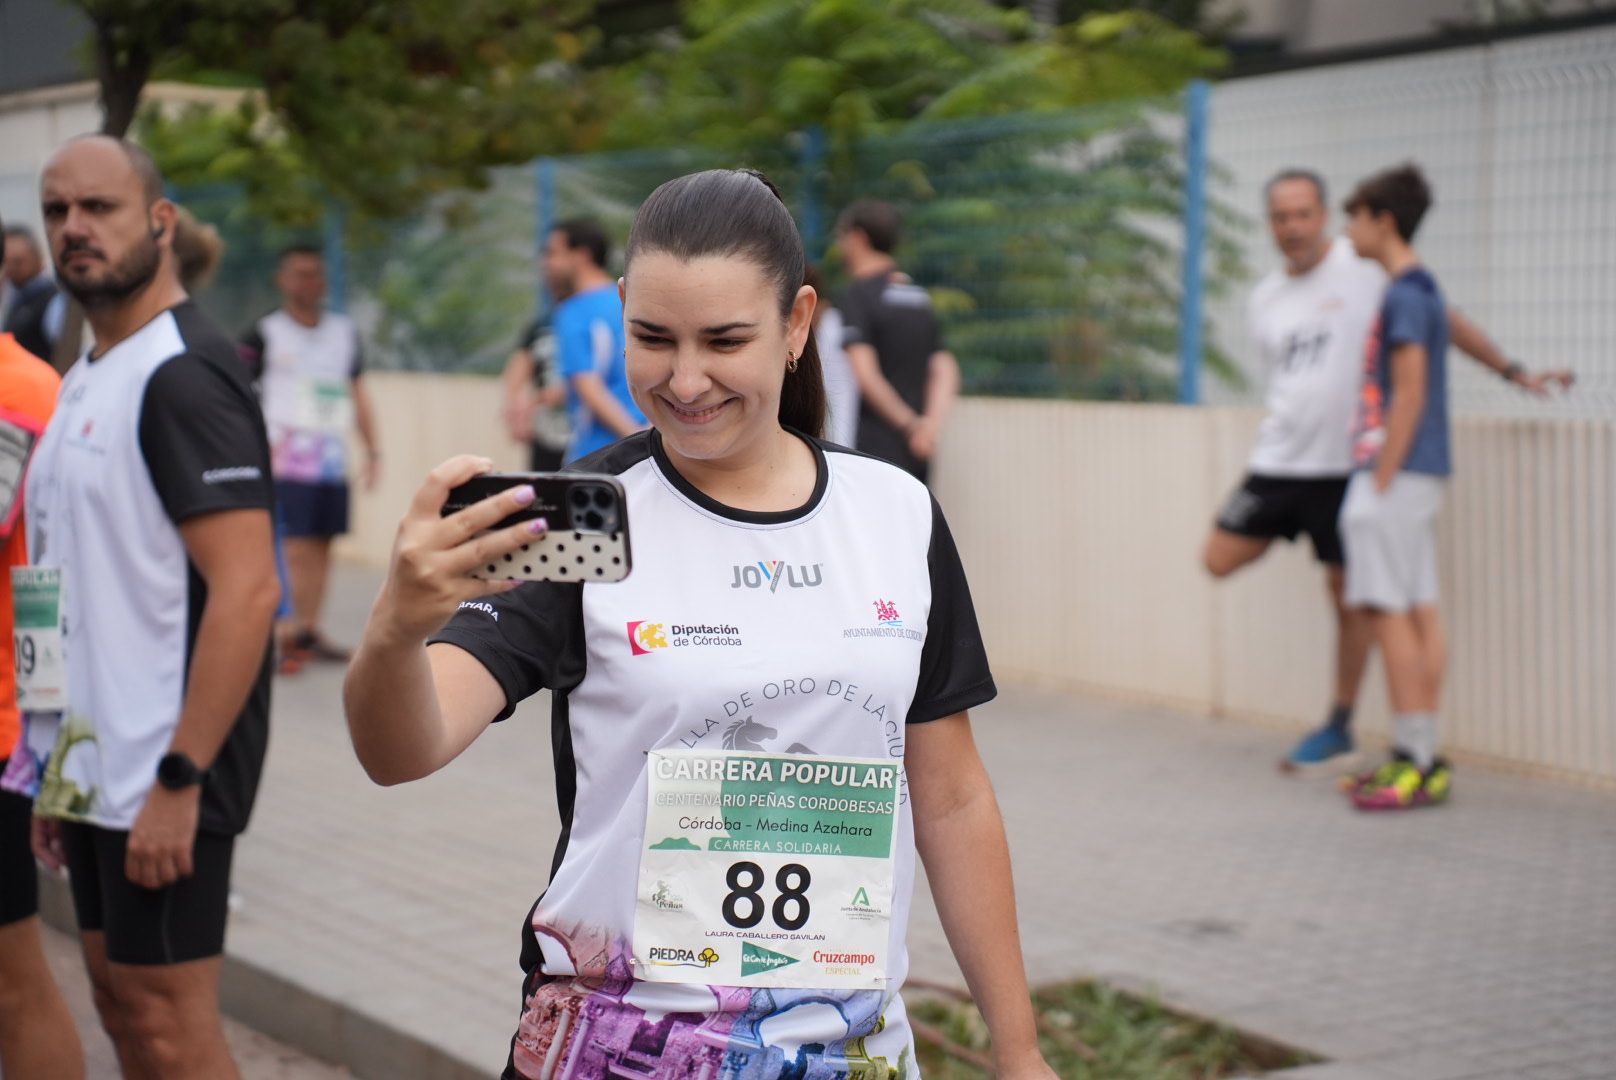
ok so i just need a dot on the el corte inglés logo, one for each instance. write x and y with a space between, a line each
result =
755 959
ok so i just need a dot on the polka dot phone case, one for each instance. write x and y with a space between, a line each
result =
588 516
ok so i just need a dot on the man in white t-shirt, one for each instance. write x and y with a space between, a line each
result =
1310 323
307 365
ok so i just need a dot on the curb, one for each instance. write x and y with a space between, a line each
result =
322 1027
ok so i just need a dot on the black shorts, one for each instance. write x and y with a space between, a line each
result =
312 510
1268 507
19 878
183 922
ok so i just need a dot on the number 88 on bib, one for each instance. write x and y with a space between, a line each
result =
766 870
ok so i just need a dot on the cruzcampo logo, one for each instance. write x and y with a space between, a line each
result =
755 959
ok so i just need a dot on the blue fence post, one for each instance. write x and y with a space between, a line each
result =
336 258
812 163
1189 316
545 220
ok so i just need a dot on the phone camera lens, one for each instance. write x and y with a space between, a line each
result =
593 520
603 499
579 497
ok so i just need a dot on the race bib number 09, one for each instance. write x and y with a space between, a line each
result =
36 602
766 870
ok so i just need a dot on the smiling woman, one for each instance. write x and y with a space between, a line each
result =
762 931
721 353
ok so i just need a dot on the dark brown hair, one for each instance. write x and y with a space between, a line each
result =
878 221
587 234
738 213
1401 192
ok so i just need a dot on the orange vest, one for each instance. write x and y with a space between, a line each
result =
28 388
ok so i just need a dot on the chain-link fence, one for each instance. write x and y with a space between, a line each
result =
1519 142
1049 243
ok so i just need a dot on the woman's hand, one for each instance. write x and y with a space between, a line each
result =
433 557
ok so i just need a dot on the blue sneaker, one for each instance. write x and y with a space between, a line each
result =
1318 747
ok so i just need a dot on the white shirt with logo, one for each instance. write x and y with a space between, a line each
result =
809 638
1310 332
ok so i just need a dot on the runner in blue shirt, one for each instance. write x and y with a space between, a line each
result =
589 339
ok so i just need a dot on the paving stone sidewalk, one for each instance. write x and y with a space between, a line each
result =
257 1056
1152 848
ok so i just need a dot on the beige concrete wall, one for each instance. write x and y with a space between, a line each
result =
1081 526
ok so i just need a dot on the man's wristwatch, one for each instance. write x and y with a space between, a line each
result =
177 771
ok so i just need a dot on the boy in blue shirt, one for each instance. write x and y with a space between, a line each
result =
1402 456
588 328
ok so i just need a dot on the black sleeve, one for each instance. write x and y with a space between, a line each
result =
358 368
529 639
530 334
938 342
203 439
857 313
251 350
954 673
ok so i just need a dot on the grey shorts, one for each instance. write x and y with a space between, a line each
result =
1390 541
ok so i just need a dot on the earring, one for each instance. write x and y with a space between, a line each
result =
791 360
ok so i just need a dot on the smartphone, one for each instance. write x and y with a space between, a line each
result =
588 537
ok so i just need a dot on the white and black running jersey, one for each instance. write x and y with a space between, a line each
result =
160 429
819 633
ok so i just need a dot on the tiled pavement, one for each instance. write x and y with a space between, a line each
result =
1159 850
258 1056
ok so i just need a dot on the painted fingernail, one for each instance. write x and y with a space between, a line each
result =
538 526
525 494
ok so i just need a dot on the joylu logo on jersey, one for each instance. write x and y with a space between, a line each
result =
757 575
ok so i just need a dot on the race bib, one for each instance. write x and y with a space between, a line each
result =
37 625
324 406
767 870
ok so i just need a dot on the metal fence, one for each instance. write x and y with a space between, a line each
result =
1519 141
1049 242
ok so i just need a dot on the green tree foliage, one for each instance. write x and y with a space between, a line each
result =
383 103
750 71
1038 167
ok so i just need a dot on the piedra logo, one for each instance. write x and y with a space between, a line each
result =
772 573
667 956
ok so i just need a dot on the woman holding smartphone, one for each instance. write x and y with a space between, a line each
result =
755 733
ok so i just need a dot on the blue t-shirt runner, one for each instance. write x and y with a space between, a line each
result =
589 341
1413 312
